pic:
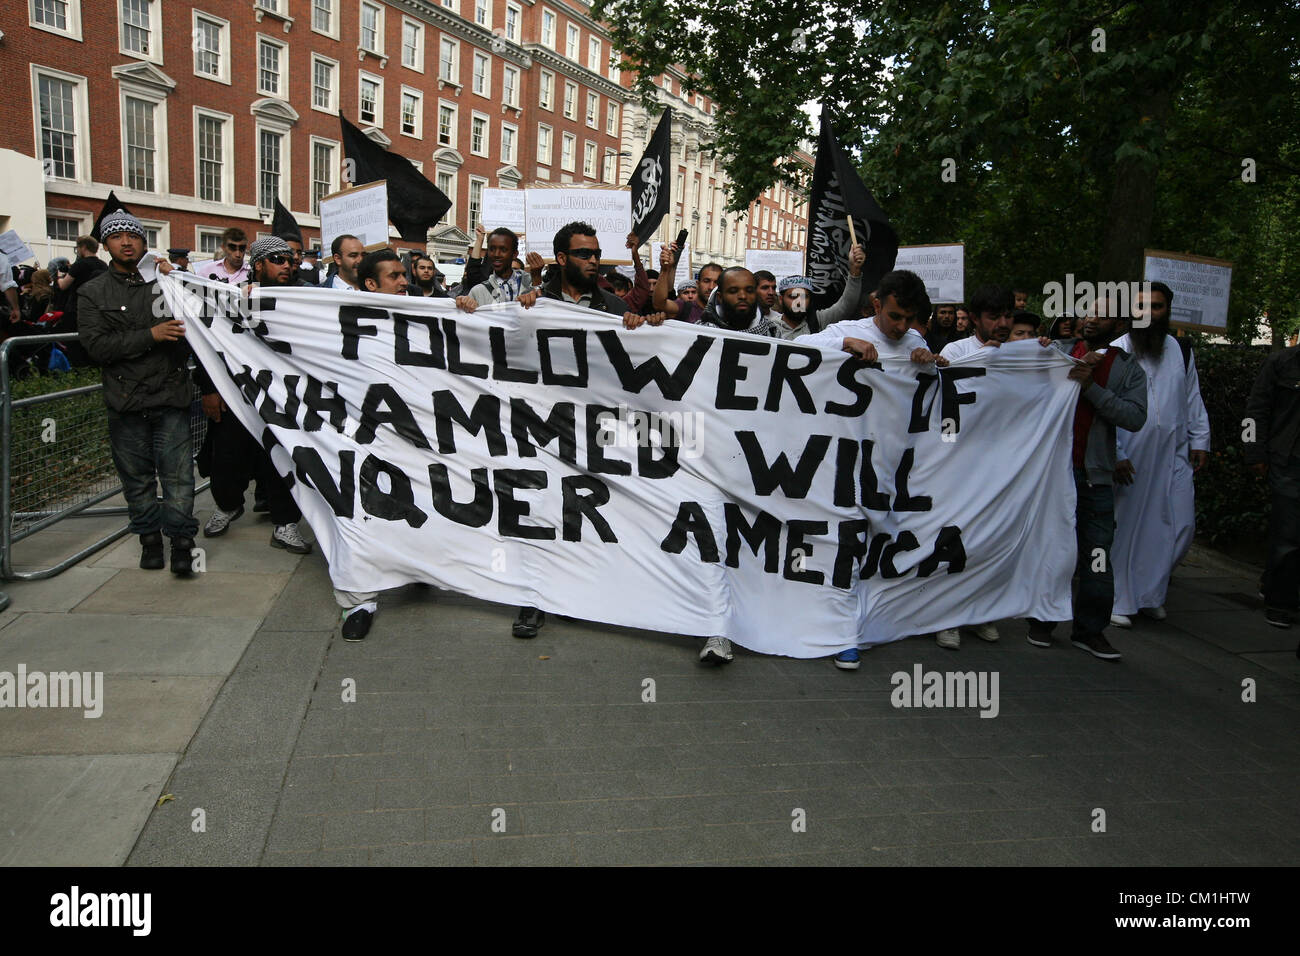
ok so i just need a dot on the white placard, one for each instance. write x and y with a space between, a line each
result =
779 262
503 208
941 266
1201 287
12 245
361 211
608 211
683 263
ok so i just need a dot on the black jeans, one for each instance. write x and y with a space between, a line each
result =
1094 529
148 447
1282 568
238 458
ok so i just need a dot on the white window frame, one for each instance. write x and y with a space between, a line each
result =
513 158
506 88
590 157
155 54
223 47
592 117
570 114
594 52
73 29
486 6
450 5
572 42
333 107
419 112
212 232
454 79
379 99
450 193
544 158
283 92
164 230
333 30
480 56
378 49
551 19
161 164
609 168
286 161
418 65
469 205
486 148
334 169
611 118
82 219
513 34
545 93
80 117
455 124
227 156
570 140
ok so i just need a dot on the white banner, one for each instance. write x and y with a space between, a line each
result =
608 210
779 262
1201 287
683 272
941 267
361 211
803 500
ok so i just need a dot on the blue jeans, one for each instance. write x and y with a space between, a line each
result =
1281 580
151 446
1094 528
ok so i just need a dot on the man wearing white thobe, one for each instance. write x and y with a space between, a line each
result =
1155 510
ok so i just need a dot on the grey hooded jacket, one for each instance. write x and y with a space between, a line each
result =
1120 403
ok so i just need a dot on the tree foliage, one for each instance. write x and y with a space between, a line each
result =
1080 131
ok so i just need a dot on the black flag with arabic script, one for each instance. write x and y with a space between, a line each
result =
414 203
649 182
837 193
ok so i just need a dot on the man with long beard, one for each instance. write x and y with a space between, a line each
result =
1155 508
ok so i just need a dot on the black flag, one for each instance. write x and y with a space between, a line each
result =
284 225
837 193
111 204
414 203
649 182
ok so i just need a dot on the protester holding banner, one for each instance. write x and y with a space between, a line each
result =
504 283
347 251
382 271
231 267
991 311
1155 507
1114 395
425 278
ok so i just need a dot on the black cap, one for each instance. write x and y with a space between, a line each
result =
178 253
313 251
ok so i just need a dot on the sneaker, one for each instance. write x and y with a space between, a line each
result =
1096 645
356 624
847 660
220 521
528 623
717 650
1157 613
986 632
182 556
949 638
1278 617
1040 637
286 536
151 551
1121 620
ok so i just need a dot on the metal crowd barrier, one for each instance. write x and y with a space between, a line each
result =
63 477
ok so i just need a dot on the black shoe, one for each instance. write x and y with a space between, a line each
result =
1040 637
529 622
151 551
1096 645
182 556
357 625
260 506
1278 617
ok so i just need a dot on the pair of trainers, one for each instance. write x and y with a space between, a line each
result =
951 638
284 536
1157 613
1095 644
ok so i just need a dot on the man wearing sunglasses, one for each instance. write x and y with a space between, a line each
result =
231 267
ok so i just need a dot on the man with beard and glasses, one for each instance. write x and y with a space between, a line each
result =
424 276
1155 507
1113 395
238 457
990 311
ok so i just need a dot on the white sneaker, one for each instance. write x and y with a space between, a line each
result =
986 632
220 521
1156 613
717 650
949 638
286 536
1121 620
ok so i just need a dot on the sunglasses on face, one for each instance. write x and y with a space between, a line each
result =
278 259
585 253
234 248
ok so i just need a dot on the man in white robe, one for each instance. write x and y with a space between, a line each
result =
1155 509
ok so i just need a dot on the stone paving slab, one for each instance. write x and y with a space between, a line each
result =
214 594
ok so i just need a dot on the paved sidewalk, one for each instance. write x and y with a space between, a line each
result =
466 746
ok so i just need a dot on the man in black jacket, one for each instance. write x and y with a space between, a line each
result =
1273 452
127 329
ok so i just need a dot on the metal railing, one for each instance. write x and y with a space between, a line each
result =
57 463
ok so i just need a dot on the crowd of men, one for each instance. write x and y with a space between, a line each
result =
1140 429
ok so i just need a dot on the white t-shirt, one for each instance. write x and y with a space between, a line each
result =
962 347
338 282
833 336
